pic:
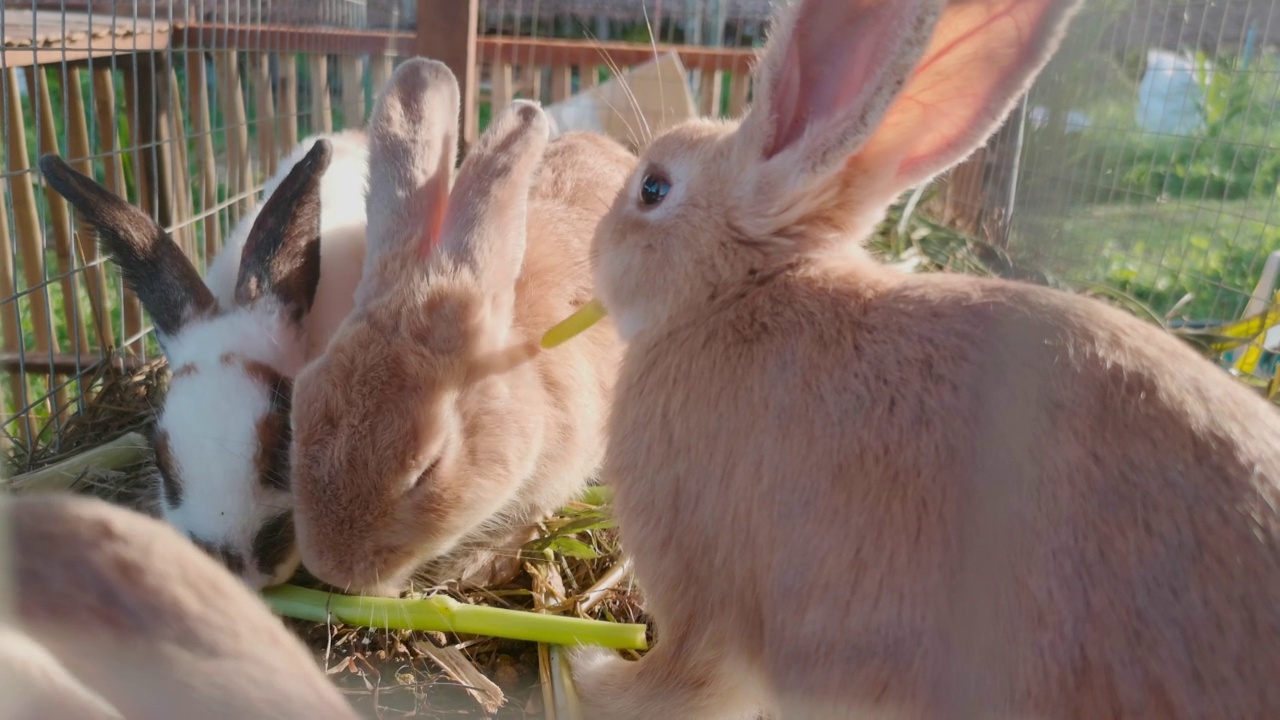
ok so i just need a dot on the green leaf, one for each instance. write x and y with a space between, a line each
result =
570 547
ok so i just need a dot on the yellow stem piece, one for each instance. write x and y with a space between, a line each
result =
575 324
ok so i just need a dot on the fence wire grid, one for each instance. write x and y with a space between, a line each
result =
182 107
1144 160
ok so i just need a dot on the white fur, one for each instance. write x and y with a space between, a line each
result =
210 415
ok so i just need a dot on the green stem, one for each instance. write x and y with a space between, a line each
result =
444 614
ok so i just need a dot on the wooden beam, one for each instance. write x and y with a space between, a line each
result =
446 31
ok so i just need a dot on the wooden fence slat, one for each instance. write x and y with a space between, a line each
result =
531 81
236 132
104 107
352 72
561 83
380 67
180 170
27 224
10 330
59 216
321 109
447 30
78 151
202 129
588 77
264 113
287 101
502 90
739 90
711 92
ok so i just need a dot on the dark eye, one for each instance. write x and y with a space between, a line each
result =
653 188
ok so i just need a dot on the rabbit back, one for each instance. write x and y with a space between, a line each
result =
967 542
125 618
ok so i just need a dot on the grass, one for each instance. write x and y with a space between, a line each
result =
1193 261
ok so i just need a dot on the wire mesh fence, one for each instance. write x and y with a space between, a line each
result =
183 107
1144 161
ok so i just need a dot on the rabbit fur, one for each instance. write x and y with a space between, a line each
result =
106 613
272 298
849 491
428 437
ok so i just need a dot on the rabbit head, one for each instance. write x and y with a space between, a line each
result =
423 423
222 437
855 101
108 613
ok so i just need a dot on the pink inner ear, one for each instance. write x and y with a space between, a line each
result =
982 56
436 196
834 61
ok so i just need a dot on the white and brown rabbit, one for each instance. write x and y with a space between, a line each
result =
854 492
427 436
107 613
277 291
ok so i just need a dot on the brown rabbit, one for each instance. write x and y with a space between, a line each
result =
854 492
111 614
428 434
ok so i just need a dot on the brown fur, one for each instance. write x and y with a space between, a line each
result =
116 615
852 492
425 435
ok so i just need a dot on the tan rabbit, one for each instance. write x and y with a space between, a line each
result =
426 435
112 614
854 492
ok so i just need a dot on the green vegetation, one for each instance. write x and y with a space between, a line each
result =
1183 224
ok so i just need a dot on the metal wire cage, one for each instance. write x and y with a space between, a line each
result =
183 107
1144 161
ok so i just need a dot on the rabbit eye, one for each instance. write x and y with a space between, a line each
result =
653 188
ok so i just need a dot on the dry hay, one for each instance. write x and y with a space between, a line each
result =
384 673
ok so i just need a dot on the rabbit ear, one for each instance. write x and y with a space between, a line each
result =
829 72
153 265
983 56
485 226
413 137
905 88
281 257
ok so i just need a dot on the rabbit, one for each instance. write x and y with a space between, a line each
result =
109 613
849 491
271 300
430 437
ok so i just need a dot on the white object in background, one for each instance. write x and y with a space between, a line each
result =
1169 98
648 99
1076 120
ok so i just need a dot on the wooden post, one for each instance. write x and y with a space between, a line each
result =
287 102
446 30
351 70
202 129
321 110
59 216
26 222
78 151
104 107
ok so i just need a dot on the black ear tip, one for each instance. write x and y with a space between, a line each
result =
51 164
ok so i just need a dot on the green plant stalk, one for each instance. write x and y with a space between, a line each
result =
444 614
